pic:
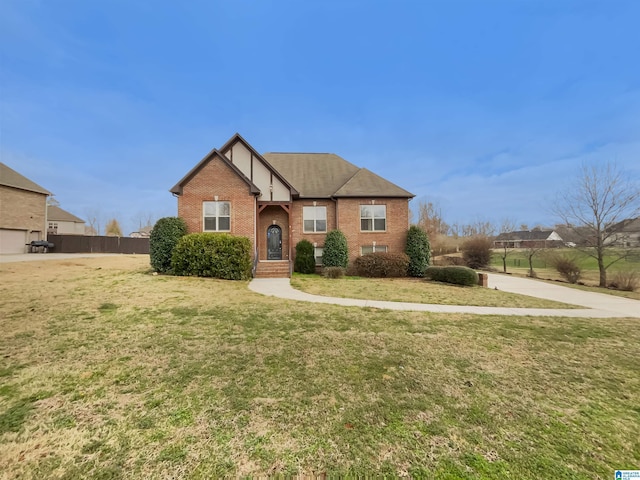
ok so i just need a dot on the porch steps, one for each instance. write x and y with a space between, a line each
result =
272 269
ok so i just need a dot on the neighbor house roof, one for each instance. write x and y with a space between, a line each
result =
628 225
325 175
11 178
525 235
57 214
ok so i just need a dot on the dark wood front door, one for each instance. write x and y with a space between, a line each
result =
274 243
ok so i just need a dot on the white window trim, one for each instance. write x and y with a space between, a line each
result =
315 255
373 219
314 219
374 249
216 216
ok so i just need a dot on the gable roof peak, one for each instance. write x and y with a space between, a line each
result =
10 178
56 213
177 188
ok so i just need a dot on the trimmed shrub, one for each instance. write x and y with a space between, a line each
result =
216 255
163 239
418 250
305 259
335 252
455 275
333 272
382 264
477 252
447 260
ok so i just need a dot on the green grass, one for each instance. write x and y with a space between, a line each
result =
198 378
416 291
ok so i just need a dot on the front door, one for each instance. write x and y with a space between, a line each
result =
274 243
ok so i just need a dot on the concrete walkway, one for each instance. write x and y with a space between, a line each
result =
597 305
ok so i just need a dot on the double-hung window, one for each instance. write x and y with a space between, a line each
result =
373 218
317 253
314 219
372 249
217 216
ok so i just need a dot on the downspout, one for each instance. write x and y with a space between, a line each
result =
255 236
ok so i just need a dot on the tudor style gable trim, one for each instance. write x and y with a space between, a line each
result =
249 168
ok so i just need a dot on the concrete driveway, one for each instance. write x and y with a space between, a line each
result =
597 305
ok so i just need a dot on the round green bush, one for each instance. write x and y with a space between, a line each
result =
216 255
455 275
418 250
305 259
163 239
336 252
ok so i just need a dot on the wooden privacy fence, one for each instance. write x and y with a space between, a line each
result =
95 244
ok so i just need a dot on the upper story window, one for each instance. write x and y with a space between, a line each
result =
314 219
373 218
217 216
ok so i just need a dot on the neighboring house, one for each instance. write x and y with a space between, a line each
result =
144 232
625 233
277 199
536 238
61 222
23 211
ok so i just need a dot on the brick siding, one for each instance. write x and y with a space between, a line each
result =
273 215
344 214
216 178
22 210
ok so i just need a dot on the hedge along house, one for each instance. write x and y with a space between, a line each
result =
277 199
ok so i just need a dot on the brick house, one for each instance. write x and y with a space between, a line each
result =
23 211
536 238
277 199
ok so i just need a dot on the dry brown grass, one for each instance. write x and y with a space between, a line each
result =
110 372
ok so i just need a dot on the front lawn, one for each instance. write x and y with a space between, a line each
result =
110 372
416 291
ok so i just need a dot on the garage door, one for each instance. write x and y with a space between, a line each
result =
12 241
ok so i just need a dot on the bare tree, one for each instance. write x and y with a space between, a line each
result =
93 217
479 227
507 228
144 219
430 219
601 197
531 251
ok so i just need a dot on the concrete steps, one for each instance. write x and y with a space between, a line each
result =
272 269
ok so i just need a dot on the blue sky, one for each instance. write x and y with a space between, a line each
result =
486 108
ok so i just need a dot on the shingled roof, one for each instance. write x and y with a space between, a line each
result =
57 214
10 178
525 235
325 175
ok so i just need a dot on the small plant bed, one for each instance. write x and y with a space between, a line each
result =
417 291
